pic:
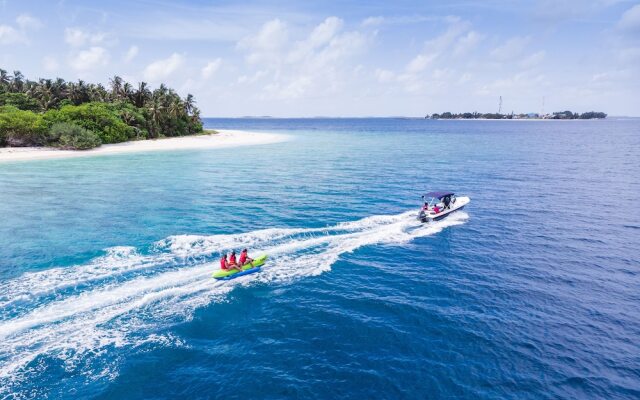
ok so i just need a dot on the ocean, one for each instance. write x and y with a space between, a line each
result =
531 292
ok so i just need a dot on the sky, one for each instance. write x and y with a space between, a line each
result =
344 58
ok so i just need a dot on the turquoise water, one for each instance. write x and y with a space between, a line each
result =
532 292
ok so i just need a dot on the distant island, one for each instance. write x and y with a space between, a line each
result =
555 115
80 115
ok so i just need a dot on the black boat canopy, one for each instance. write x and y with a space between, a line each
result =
438 195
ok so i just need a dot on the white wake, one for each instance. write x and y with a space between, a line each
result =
71 311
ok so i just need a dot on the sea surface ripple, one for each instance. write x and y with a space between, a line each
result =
531 292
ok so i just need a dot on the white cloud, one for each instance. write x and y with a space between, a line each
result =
533 59
321 35
522 82
420 62
630 20
50 64
87 59
26 21
456 28
443 43
373 21
317 64
423 71
324 32
337 50
264 46
77 37
211 68
10 35
607 76
466 77
442 73
292 89
629 55
163 68
244 79
131 54
467 43
411 83
384 75
611 80
19 33
511 49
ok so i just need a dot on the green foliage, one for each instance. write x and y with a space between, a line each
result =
73 137
21 128
195 126
133 117
592 115
96 117
19 100
565 115
555 115
122 112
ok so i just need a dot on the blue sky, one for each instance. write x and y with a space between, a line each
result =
342 58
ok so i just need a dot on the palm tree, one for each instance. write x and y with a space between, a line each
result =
43 93
141 95
17 84
161 92
60 90
189 104
98 93
127 91
176 108
5 79
116 87
195 120
78 93
156 112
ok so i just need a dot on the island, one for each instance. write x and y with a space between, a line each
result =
556 115
80 115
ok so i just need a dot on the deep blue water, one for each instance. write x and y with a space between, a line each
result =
532 292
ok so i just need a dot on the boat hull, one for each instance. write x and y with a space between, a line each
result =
461 202
239 274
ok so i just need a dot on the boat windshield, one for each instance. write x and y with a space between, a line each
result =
432 201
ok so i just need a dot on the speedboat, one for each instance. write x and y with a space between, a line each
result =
438 205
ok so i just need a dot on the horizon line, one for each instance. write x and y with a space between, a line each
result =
392 117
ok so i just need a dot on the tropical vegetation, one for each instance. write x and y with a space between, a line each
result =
555 115
80 115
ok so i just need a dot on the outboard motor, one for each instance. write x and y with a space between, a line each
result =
422 216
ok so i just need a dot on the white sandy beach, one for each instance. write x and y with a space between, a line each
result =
224 139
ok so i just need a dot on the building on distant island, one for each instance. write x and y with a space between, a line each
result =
555 115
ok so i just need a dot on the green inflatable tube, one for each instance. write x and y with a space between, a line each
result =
257 262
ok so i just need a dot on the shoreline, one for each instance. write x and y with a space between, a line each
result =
225 138
514 119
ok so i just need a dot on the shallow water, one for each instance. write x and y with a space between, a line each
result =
531 292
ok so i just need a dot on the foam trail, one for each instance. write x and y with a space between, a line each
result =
125 297
116 261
